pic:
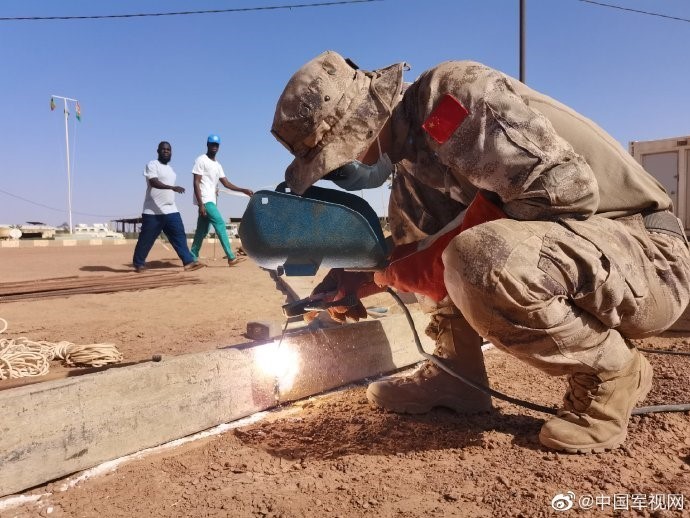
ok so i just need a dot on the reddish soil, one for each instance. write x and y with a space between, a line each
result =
333 455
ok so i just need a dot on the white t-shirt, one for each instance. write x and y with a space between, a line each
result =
210 171
159 201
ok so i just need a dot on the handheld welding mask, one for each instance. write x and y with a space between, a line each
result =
295 235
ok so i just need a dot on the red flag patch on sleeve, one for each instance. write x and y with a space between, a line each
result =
445 118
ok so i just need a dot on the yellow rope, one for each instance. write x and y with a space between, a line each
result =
23 357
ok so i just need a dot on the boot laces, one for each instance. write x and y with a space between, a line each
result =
429 369
424 370
583 390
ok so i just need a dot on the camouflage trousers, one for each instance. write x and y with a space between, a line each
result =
565 296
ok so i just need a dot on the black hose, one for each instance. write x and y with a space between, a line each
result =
499 395
663 351
683 407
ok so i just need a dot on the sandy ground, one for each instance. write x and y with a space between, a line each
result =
333 455
176 320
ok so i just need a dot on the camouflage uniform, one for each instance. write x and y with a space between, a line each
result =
588 256
574 271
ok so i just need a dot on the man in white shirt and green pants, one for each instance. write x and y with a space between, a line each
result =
207 173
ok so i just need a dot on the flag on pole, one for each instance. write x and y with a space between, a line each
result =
52 104
78 112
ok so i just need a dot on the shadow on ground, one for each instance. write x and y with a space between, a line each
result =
152 265
339 427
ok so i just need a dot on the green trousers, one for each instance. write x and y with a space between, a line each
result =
213 217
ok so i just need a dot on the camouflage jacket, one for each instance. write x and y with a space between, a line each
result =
542 160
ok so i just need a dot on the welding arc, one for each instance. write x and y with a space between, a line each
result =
276 380
499 395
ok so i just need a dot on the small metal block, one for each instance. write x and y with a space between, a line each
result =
262 330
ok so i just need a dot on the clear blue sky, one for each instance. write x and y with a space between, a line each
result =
180 78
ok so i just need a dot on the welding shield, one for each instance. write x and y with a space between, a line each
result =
296 235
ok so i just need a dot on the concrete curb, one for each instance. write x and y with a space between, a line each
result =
43 243
55 428
50 243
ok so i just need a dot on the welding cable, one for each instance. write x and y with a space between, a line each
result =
663 351
499 395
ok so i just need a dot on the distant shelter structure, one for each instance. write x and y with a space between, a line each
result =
121 225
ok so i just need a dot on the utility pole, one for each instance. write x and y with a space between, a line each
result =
523 7
69 176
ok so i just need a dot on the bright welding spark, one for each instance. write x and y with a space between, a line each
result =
280 362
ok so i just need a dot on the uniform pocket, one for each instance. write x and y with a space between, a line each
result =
622 244
555 181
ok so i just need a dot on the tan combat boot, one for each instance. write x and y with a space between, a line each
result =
429 386
597 409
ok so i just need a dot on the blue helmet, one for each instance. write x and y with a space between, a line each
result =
213 139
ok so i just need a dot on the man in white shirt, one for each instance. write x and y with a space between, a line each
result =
207 173
160 212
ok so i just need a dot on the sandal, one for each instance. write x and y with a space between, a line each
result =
236 261
193 266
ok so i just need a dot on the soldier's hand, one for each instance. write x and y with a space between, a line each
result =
352 286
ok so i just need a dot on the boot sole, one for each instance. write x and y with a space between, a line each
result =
593 448
646 375
411 407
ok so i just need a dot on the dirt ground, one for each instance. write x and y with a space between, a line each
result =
334 455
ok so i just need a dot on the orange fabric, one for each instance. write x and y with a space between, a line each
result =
422 271
480 211
410 269
339 283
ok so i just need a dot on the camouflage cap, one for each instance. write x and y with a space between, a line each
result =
330 112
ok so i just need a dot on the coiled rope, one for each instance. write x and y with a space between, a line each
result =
21 357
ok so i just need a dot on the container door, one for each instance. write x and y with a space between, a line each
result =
687 191
664 167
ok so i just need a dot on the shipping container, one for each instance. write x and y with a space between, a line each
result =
668 160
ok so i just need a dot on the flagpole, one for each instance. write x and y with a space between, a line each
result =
69 176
